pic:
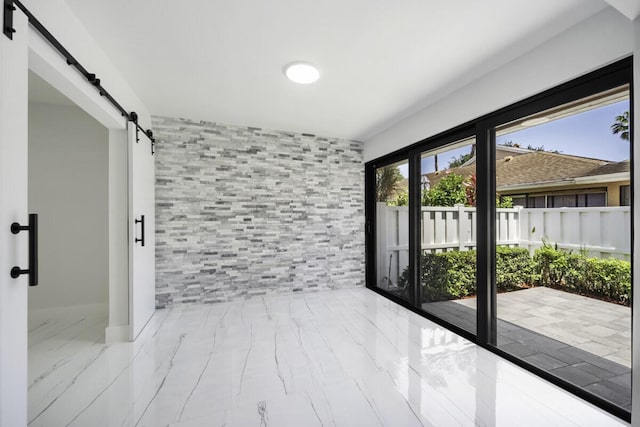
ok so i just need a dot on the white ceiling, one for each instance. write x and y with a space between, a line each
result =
379 60
630 8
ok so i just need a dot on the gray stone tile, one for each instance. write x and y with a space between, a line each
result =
605 364
568 355
597 348
532 321
504 339
542 344
623 381
241 211
595 370
544 361
612 392
518 349
575 375
599 331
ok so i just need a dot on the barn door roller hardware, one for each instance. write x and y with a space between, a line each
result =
11 5
7 26
133 116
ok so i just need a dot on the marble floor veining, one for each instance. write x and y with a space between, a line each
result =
335 358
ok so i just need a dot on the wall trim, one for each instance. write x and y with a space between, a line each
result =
114 334
72 310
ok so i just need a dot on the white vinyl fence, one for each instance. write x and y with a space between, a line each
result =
602 232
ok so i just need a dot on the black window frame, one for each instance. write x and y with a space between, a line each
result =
608 77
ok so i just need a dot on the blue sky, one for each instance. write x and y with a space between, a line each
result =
586 134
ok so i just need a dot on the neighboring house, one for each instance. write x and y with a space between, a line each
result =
540 179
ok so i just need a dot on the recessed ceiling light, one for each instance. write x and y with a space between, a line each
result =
302 72
535 121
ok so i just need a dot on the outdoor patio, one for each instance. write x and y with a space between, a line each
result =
583 340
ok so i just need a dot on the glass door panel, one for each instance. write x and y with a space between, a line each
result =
447 268
563 243
392 229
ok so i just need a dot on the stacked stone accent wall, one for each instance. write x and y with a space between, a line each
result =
243 211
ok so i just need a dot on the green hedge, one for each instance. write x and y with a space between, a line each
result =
514 269
448 275
604 278
452 275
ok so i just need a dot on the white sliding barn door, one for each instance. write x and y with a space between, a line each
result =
13 208
142 243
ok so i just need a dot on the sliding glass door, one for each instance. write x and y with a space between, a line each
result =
563 242
515 231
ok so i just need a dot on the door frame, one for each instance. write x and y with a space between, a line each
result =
13 208
49 65
17 57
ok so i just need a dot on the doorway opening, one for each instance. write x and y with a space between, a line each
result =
68 187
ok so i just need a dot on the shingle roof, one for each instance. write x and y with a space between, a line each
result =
617 167
540 167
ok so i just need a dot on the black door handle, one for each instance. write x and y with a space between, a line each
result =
141 222
32 228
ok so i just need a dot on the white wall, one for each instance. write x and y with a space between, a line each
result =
118 329
68 188
595 42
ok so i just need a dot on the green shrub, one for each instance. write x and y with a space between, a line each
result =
605 278
434 276
504 202
445 276
452 275
549 265
610 278
402 199
514 268
461 277
449 191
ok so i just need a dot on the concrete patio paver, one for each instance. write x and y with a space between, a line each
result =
582 340
588 323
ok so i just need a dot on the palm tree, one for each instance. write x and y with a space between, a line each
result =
621 126
387 183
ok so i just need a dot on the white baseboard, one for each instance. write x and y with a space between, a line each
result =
116 334
69 311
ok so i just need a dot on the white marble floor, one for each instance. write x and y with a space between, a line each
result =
335 358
